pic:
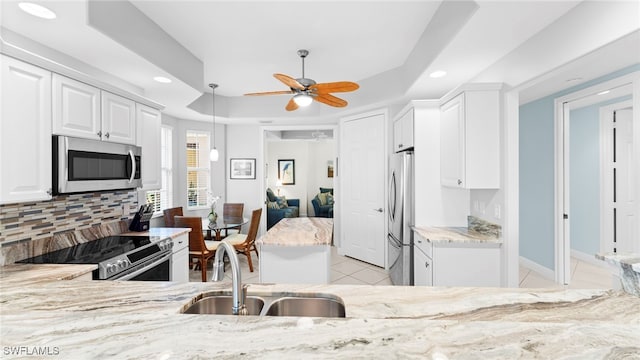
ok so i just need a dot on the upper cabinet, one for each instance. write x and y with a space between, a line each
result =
148 137
84 111
25 132
470 138
76 108
118 119
403 130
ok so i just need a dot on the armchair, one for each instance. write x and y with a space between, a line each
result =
323 207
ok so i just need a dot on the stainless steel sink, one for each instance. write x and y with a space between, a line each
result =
222 304
306 306
271 304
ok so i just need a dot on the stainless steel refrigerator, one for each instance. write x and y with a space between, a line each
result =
401 218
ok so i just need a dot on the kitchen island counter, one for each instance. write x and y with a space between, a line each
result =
105 319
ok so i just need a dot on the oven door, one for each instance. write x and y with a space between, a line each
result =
156 269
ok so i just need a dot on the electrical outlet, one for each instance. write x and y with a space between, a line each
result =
483 207
497 211
476 206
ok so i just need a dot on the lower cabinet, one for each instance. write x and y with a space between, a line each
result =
456 263
180 259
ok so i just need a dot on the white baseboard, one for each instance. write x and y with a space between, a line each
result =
591 259
534 266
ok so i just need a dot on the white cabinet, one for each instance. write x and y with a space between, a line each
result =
84 111
76 108
454 263
466 264
118 119
403 130
25 132
470 139
148 137
422 262
180 259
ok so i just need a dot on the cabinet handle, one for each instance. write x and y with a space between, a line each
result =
378 210
426 264
99 133
49 192
459 181
400 146
107 136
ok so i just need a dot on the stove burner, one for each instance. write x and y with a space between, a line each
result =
113 254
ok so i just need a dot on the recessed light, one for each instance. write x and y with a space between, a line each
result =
438 74
162 79
604 92
37 10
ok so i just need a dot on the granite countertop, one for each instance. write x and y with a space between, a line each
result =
305 231
456 234
105 319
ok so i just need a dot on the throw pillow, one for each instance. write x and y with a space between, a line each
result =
270 195
329 199
272 205
322 197
326 190
282 202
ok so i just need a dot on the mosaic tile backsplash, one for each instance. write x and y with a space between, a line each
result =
26 226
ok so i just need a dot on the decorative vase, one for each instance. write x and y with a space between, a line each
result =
213 217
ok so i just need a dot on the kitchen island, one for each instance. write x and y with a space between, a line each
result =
108 319
297 250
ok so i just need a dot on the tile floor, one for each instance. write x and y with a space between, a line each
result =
583 276
344 270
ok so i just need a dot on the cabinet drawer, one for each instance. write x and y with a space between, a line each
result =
423 244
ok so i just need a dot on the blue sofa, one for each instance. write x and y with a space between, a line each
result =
274 215
321 210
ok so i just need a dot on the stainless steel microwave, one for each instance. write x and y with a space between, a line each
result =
82 165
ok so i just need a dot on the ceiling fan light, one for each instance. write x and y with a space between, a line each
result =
214 155
302 99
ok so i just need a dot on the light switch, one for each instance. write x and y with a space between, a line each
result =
496 211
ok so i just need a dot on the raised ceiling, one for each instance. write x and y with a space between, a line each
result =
389 47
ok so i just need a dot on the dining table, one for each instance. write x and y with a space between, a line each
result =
221 224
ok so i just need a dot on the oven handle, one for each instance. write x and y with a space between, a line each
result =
133 166
145 267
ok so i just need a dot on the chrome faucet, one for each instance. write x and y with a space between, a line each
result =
239 291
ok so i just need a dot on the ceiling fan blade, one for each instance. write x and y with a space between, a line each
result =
289 81
270 93
330 100
339 86
291 105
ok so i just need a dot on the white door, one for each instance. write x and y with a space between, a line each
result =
362 192
25 132
452 143
625 191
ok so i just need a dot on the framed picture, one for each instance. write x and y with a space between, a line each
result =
243 169
330 168
287 171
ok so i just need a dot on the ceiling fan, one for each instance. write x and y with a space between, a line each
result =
306 90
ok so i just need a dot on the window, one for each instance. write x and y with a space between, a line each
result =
198 175
163 198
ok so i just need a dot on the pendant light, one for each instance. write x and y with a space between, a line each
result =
213 155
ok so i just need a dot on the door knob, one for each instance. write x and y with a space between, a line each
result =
378 210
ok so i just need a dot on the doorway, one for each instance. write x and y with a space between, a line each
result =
589 185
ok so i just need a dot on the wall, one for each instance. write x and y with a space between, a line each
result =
537 173
24 225
243 141
311 159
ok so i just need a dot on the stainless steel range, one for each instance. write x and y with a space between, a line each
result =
118 257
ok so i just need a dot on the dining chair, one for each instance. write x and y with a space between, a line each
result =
199 248
244 243
231 210
169 214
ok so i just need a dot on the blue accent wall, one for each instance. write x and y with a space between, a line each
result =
537 173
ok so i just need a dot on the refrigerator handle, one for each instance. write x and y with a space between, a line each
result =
392 197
